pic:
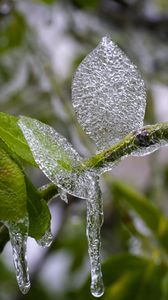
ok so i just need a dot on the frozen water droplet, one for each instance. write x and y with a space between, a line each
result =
108 95
19 248
63 195
94 223
46 240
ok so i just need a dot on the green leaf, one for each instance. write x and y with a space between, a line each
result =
39 214
11 31
12 136
129 277
13 194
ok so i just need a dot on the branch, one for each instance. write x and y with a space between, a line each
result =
153 136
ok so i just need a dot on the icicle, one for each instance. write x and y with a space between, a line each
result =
19 248
94 223
46 240
63 195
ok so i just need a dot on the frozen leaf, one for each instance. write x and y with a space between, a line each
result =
57 159
108 95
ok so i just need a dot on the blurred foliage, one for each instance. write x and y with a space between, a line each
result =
33 83
11 32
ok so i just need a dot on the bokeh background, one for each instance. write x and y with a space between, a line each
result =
41 45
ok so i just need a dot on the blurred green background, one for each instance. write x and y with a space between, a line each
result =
41 44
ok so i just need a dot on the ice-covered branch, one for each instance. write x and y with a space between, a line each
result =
138 143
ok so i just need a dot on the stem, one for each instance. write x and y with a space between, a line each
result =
147 136
48 192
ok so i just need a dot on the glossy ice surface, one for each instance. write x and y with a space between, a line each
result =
108 95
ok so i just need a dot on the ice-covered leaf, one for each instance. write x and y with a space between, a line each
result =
12 136
57 159
108 95
12 190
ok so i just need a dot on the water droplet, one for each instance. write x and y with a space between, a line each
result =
94 223
46 240
19 248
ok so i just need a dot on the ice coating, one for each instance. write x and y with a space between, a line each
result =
63 195
57 158
94 223
46 240
146 145
108 95
19 249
